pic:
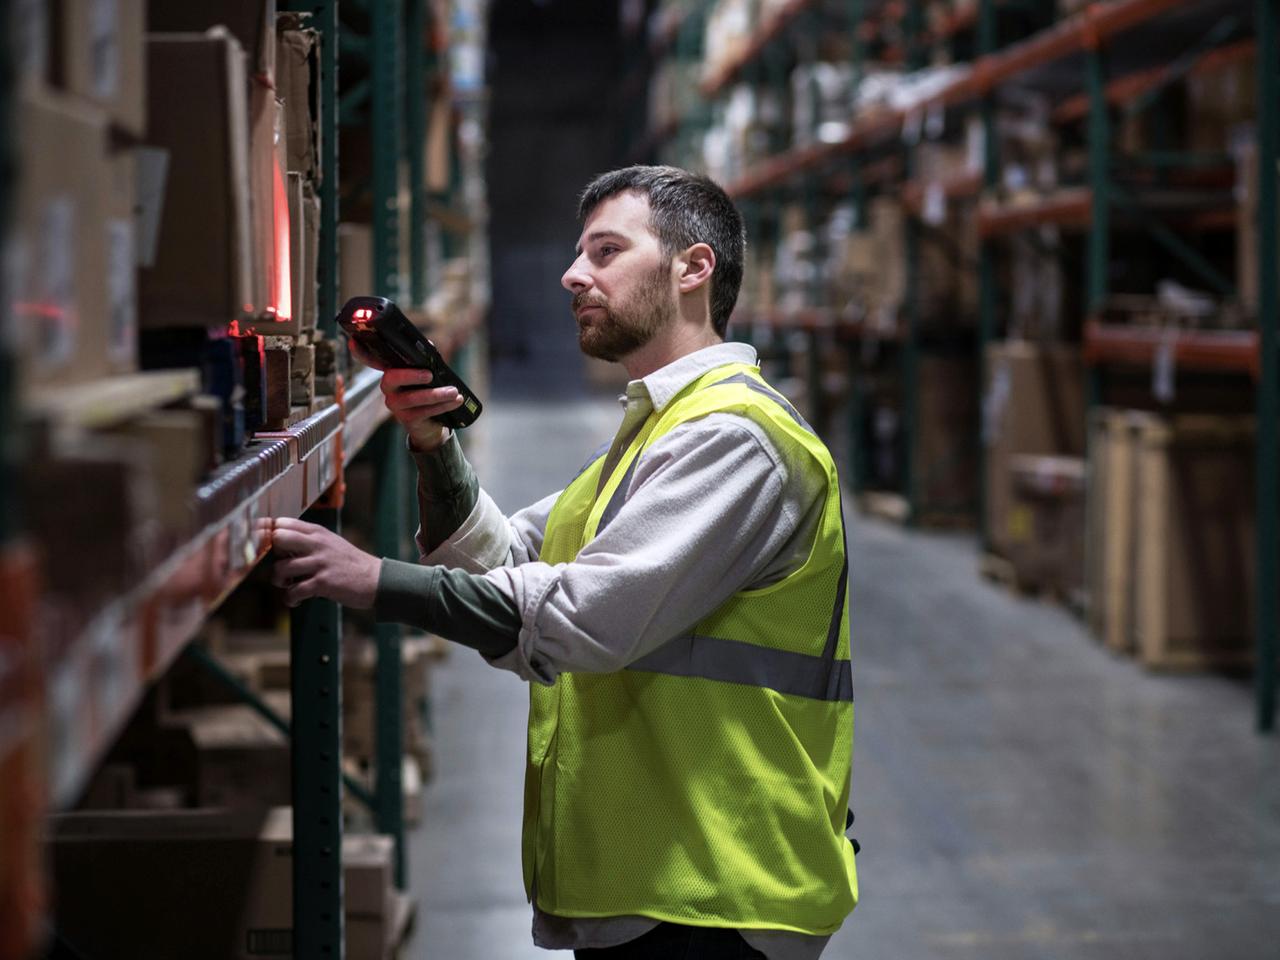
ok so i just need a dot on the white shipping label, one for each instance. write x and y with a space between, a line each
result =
1164 369
122 288
54 311
935 205
29 38
994 403
912 127
115 673
68 720
104 34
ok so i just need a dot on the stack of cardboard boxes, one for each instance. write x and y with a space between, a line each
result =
206 883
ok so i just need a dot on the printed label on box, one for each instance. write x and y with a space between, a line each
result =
122 288
54 309
104 35
29 29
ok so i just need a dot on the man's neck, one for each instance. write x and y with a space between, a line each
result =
680 340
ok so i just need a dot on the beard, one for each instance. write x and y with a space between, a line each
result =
624 328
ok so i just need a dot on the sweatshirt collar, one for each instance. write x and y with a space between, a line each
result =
663 384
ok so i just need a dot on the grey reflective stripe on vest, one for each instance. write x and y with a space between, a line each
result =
733 661
773 395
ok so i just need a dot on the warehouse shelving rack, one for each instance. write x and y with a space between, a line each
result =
60 711
1081 45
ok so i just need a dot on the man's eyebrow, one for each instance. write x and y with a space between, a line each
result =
599 235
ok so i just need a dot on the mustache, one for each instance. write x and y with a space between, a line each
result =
584 299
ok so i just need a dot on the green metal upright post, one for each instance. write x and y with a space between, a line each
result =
385 66
1268 479
316 625
389 457
1099 257
316 697
913 29
10 510
389 44
986 256
416 90
325 13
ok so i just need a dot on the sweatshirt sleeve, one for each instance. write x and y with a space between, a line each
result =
459 606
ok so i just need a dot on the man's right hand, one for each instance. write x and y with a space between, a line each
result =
413 402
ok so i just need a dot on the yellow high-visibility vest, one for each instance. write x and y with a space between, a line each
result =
707 783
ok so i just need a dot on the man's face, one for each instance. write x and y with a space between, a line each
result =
621 282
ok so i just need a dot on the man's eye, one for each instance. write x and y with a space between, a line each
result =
608 250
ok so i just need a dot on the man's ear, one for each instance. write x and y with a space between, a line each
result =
696 266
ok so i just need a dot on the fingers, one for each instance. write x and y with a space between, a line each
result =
303 590
290 569
404 378
360 355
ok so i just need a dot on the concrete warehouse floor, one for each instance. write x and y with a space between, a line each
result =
1020 792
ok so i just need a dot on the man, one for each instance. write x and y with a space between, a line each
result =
679 608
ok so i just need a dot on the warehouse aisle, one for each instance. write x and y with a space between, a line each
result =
1020 793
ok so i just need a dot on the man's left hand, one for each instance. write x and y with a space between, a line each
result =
313 561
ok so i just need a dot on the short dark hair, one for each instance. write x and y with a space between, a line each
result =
685 208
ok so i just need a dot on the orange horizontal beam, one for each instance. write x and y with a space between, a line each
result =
1066 208
1210 351
963 186
1137 84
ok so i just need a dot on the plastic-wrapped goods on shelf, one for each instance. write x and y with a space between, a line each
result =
728 33
821 102
753 119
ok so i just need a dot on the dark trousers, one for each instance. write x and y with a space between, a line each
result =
670 941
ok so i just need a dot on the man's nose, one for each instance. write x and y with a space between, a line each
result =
575 279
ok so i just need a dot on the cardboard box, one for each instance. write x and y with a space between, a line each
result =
1033 404
92 509
28 36
213 884
945 457
203 274
58 247
240 759
298 86
99 53
251 22
1109 542
1220 100
311 256
1047 524
1246 153
1195 571
178 454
